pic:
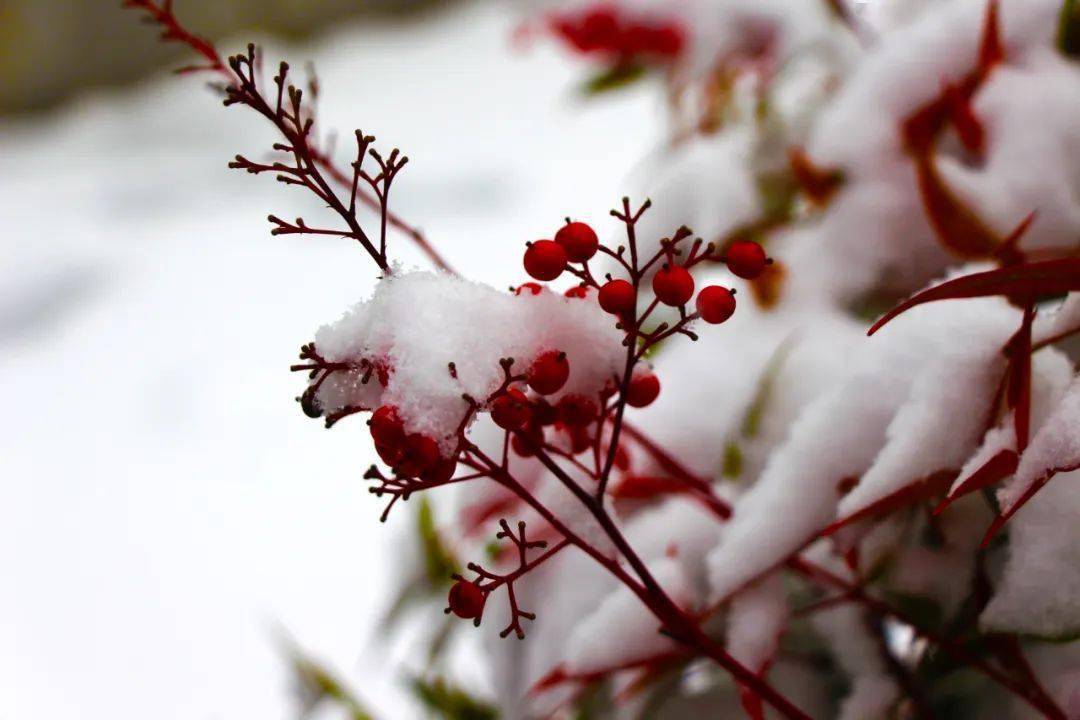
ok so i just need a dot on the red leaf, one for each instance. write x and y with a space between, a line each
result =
956 225
968 127
1021 283
993 470
991 50
1018 351
751 703
645 487
922 489
819 184
1000 520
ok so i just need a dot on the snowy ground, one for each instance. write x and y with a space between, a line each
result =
164 506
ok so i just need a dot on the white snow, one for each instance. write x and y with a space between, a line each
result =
418 323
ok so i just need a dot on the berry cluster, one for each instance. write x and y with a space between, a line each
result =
672 282
603 30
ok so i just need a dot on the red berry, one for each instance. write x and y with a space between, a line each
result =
618 297
716 304
544 413
598 29
510 411
442 471
390 454
578 291
578 240
549 372
525 444
673 285
745 258
421 455
643 389
530 288
580 438
545 260
577 410
386 427
466 599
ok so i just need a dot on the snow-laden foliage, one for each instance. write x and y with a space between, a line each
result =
895 515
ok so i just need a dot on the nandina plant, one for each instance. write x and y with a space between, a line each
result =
828 520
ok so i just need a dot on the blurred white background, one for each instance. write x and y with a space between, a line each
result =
165 508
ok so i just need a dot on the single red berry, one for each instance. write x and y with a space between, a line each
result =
577 410
716 304
545 260
530 287
421 455
549 372
598 29
442 471
643 389
580 438
578 240
386 427
746 259
466 599
525 443
618 297
309 403
622 458
510 411
673 285
544 413
390 454
668 40
577 292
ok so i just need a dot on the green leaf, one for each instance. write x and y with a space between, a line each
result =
1068 35
450 702
751 424
439 563
733 460
319 685
433 577
613 78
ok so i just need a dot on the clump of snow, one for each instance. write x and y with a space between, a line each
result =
1040 590
841 434
756 620
1041 582
705 183
1021 170
418 323
1056 446
622 629
942 418
1061 319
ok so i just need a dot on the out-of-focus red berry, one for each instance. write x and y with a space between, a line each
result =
643 389
577 410
745 258
511 411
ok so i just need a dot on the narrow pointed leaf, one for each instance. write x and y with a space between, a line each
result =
995 470
1029 282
